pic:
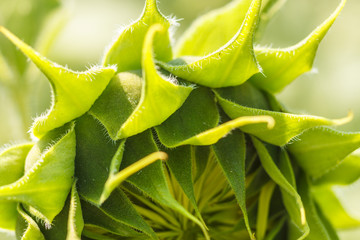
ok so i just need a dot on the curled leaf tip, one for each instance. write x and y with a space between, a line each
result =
161 155
121 176
303 216
347 119
270 122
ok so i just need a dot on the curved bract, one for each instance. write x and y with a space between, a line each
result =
282 66
73 92
12 162
159 97
196 147
126 51
230 65
46 184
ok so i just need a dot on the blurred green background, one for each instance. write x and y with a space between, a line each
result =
331 90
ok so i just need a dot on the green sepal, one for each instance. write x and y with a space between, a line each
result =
198 114
118 101
338 216
319 227
151 180
256 181
48 179
182 129
201 156
97 157
126 51
265 196
116 178
319 150
26 227
245 95
75 223
282 66
119 208
73 92
345 173
230 65
297 218
230 153
213 30
12 162
180 163
95 217
292 200
69 223
159 98
287 125
98 161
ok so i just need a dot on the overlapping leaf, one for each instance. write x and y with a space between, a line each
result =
96 158
230 65
180 163
49 176
230 153
126 52
26 227
287 125
320 229
246 95
160 97
196 122
12 162
263 209
213 30
119 208
116 178
281 66
198 114
318 150
69 223
96 219
292 200
73 92
296 217
151 180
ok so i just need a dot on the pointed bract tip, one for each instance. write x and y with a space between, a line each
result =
338 9
150 7
347 119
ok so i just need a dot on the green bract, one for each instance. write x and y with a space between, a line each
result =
237 164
